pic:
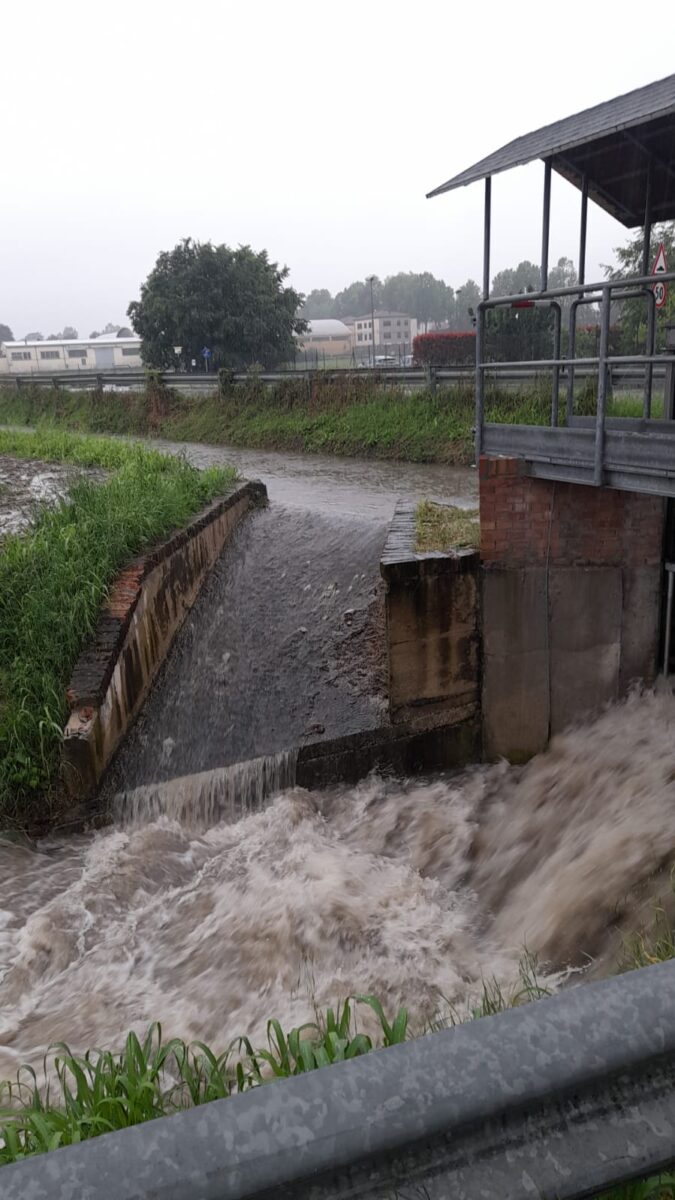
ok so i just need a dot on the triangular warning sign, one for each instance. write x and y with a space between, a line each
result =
660 264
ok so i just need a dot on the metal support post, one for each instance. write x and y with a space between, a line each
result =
480 379
602 388
545 225
571 351
557 333
670 570
650 344
486 238
480 318
582 229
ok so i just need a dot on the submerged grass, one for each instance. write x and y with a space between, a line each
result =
53 580
444 527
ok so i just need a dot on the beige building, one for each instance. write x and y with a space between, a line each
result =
326 336
107 352
394 332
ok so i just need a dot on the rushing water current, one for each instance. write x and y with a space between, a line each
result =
414 890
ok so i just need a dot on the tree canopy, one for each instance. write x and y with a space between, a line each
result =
68 333
232 302
631 315
6 334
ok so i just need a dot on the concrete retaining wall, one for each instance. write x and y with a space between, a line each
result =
147 606
571 600
432 628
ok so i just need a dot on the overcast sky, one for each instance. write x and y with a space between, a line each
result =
311 129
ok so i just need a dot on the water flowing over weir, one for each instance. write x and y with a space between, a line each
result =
413 890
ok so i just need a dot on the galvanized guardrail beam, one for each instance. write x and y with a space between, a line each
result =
560 1098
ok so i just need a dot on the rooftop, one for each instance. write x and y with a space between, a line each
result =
611 144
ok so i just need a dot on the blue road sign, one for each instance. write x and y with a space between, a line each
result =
206 353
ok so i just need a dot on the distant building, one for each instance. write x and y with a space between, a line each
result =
104 353
394 332
327 336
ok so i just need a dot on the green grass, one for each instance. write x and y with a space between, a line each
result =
53 580
101 1091
82 1096
349 416
444 527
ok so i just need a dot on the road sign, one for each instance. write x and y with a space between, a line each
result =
206 353
659 268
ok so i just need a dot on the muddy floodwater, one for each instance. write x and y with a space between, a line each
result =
210 904
416 891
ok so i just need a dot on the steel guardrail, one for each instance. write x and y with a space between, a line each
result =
561 1098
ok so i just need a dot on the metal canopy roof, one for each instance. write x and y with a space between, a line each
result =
611 143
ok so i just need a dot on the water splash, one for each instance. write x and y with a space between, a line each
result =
414 890
201 800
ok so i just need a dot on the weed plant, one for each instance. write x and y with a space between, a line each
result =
53 580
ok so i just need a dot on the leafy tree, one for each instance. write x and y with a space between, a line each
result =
6 334
631 315
34 337
68 333
110 328
318 305
354 301
466 300
95 333
421 295
231 301
563 274
526 277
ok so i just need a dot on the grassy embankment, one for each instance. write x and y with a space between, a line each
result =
53 580
350 415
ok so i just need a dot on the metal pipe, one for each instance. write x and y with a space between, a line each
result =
571 351
670 568
582 228
602 389
557 330
480 380
630 281
545 225
486 237
650 345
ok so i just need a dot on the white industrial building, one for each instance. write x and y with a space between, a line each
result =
104 353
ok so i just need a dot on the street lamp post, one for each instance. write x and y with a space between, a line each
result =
372 316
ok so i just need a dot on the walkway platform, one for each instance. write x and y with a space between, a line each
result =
638 455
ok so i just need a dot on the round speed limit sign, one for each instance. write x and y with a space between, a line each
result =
660 294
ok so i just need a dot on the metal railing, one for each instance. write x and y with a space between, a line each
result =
605 293
563 1097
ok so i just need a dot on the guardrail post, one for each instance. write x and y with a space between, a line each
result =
602 388
431 378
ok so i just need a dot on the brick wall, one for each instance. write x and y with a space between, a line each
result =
525 521
571 598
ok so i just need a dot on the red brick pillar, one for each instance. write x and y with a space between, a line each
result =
571 583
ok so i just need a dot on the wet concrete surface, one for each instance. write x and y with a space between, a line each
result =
285 644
